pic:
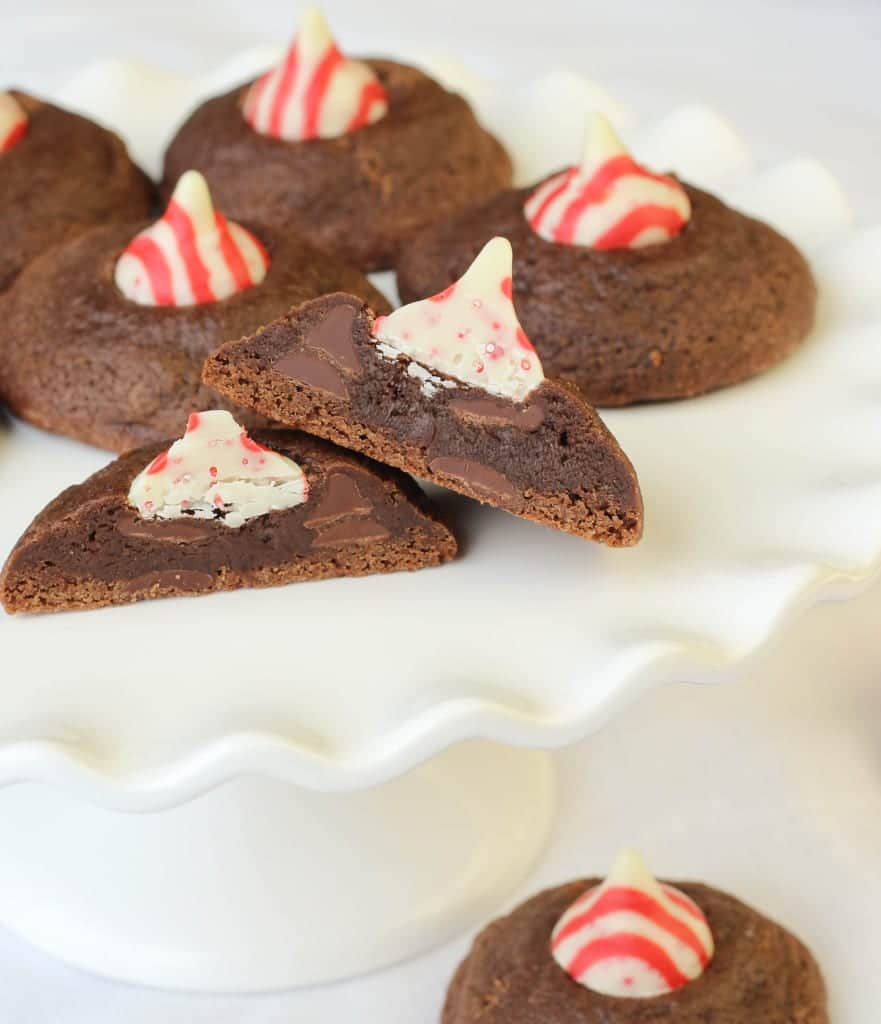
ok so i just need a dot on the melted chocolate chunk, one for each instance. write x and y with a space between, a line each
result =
341 498
170 579
478 476
172 530
500 412
313 370
333 336
352 531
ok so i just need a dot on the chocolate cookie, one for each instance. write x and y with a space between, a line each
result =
63 175
79 358
90 548
361 194
548 458
725 299
759 972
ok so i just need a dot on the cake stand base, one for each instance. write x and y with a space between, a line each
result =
258 885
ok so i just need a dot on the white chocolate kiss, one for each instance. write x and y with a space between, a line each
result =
608 201
192 255
215 471
470 330
314 92
13 121
632 937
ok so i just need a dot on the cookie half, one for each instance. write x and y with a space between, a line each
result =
334 514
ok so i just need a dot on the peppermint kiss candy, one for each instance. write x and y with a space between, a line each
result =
191 255
315 92
13 122
470 330
632 936
609 202
217 472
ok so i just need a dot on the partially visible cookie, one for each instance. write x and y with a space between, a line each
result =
631 285
219 510
103 338
355 156
629 950
59 175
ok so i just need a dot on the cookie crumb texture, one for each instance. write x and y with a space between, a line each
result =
550 459
90 549
760 973
724 300
78 358
361 194
67 174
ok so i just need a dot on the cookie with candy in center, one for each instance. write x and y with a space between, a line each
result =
103 339
449 389
220 510
354 155
631 284
631 950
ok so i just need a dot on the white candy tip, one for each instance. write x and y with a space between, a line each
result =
630 869
192 192
495 260
600 139
313 26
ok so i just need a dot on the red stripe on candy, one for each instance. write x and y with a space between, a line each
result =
552 195
317 90
156 267
592 192
620 235
620 898
15 134
508 288
251 445
197 273
372 93
283 90
158 464
626 945
444 295
232 257
252 100
684 903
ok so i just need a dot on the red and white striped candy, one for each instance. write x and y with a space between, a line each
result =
314 92
13 122
470 330
609 202
191 255
215 471
632 936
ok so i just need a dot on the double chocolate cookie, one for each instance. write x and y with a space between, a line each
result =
62 175
632 300
93 547
758 971
361 194
548 457
80 358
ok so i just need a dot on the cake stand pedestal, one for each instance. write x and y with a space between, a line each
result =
260 885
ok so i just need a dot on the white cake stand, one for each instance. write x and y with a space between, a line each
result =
193 804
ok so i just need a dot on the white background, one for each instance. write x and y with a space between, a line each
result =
770 787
